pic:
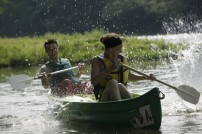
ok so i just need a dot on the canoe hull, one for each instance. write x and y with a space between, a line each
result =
140 112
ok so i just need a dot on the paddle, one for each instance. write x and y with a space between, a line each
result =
21 81
185 92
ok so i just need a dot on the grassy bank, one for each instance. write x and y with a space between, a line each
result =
29 51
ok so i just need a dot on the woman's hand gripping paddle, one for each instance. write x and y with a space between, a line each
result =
185 92
21 81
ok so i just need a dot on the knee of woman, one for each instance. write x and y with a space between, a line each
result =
121 85
112 84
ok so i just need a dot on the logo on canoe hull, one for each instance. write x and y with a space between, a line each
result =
145 118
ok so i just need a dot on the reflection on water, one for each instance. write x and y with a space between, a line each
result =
6 73
95 129
188 123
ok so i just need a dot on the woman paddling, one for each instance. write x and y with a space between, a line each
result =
107 76
66 83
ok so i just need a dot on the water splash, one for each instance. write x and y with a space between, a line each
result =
190 71
185 24
189 64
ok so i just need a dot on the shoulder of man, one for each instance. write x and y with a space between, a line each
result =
100 56
45 68
65 60
122 55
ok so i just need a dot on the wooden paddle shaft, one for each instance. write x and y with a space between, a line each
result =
187 93
148 76
64 70
56 72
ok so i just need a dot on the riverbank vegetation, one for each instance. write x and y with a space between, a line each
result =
29 51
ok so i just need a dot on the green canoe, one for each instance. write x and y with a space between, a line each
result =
139 112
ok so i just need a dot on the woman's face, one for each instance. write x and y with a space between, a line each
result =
115 51
52 51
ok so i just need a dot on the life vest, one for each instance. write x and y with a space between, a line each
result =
121 75
58 78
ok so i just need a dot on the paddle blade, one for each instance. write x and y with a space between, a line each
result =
188 94
20 81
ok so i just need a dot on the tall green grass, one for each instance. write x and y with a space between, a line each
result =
77 47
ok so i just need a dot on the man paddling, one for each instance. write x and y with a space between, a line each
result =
66 83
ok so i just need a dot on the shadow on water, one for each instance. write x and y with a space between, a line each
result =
102 129
6 121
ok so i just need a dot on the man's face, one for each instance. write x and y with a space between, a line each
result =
52 51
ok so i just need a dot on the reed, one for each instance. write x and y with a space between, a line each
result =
29 51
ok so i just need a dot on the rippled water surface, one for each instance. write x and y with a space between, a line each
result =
30 111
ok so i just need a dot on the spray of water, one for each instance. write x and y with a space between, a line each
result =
191 66
189 62
185 24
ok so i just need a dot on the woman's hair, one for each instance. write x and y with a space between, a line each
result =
50 41
110 40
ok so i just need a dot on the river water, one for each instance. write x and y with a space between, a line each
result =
30 111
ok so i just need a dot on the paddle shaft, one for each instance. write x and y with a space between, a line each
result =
49 74
22 81
154 79
56 72
185 92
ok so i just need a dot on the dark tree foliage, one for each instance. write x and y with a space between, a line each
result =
138 17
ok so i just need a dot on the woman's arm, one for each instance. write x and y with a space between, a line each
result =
96 74
134 77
